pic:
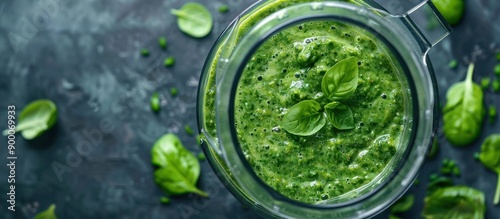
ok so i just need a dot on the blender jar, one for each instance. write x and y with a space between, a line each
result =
407 38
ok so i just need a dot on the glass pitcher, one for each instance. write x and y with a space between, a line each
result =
408 38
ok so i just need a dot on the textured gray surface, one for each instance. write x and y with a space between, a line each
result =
84 55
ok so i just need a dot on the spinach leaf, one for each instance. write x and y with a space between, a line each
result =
456 202
194 19
404 204
178 169
341 81
155 102
340 115
490 157
47 214
36 118
464 111
304 118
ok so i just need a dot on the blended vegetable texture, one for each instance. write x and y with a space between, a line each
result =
288 68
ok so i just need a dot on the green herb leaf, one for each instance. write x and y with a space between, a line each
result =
47 214
178 169
340 115
341 81
194 19
490 157
452 10
404 204
304 118
464 112
36 118
155 102
457 202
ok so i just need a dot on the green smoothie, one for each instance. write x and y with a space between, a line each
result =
287 69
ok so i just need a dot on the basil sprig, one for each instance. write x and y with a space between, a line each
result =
178 169
464 111
339 83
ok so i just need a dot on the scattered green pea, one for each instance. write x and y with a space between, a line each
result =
497 69
485 83
170 61
450 167
453 63
498 56
434 149
174 91
417 182
476 156
496 85
188 130
145 52
199 139
162 41
492 112
201 156
155 102
223 9
164 200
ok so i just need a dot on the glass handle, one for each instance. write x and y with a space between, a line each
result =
426 20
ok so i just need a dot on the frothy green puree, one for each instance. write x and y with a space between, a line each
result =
287 69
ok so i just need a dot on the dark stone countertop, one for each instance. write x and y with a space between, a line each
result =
84 55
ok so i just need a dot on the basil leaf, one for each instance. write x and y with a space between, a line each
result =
340 115
464 111
194 19
490 157
404 204
341 81
178 169
47 214
36 118
457 202
304 118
